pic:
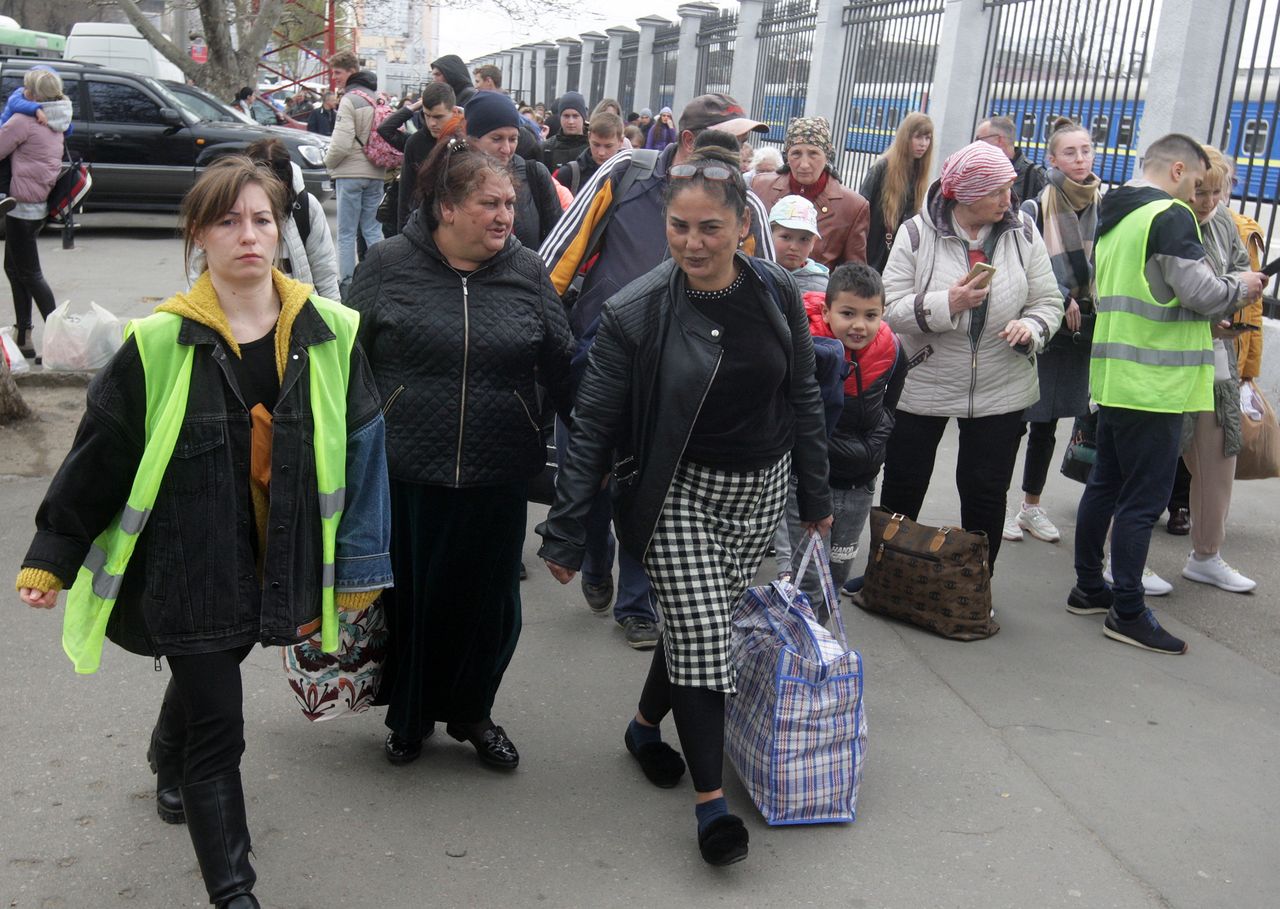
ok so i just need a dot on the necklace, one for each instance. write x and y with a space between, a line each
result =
708 295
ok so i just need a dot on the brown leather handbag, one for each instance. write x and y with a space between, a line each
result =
935 577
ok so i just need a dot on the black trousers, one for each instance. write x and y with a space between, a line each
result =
1035 469
1181 495
699 716
22 267
204 706
984 468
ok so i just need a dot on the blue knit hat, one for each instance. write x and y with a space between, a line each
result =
487 111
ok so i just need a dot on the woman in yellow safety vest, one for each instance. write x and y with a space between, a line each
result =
227 487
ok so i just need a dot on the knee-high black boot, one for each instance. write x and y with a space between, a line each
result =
220 835
165 757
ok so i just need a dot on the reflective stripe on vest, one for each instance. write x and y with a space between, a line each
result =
166 366
1146 355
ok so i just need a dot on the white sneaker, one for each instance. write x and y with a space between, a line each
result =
1012 529
1035 520
1152 584
1218 573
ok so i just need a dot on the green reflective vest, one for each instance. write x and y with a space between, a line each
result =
1146 355
167 367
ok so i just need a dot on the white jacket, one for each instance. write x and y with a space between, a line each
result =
315 263
351 132
954 374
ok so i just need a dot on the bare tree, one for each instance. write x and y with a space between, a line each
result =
12 407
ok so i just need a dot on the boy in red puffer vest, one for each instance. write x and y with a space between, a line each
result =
851 311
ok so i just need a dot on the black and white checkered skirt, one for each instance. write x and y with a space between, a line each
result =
705 551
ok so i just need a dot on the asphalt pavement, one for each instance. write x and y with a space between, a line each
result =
1044 767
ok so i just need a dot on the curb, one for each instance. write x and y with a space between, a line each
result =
39 377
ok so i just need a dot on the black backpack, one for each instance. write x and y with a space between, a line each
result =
302 215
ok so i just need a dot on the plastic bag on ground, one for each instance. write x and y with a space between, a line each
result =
81 336
12 353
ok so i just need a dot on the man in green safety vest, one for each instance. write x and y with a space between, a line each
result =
1160 304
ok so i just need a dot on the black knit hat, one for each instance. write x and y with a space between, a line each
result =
487 111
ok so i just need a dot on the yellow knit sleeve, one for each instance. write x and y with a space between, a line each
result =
38 580
353 601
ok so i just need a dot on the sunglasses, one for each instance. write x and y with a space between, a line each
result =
715 172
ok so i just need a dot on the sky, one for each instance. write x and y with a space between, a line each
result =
481 29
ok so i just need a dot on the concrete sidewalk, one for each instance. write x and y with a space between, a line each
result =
1044 767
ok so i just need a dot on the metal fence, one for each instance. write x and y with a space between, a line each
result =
1245 126
785 34
666 53
628 59
599 68
1085 60
575 68
716 37
890 49
550 72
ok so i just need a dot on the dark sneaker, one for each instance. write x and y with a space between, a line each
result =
7 204
1081 603
852 586
1142 631
641 633
599 596
524 572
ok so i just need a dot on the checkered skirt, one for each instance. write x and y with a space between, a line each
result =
705 551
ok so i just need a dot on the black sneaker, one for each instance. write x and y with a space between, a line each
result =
1142 631
599 596
641 633
1081 603
7 204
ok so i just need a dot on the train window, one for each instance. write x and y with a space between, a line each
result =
1124 132
879 121
855 117
892 120
1101 130
1256 134
1028 126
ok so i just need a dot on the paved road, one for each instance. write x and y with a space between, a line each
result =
1044 767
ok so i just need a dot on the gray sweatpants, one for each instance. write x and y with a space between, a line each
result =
849 510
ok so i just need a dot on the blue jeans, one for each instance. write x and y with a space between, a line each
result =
635 597
849 511
1127 491
358 200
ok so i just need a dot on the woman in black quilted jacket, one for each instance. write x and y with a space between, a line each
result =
456 317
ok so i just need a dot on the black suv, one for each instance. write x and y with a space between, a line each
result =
144 145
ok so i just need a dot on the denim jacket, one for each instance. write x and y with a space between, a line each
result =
193 584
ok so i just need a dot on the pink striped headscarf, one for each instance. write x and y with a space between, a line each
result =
975 170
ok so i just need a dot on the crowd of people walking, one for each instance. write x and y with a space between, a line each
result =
730 344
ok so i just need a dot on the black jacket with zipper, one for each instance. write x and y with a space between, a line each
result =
649 370
454 358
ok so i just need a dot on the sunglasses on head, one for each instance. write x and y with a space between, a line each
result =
716 172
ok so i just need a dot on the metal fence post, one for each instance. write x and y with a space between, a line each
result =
746 54
586 73
562 66
612 87
957 77
691 16
1182 92
543 90
649 26
828 52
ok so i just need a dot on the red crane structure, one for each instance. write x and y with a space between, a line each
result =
325 25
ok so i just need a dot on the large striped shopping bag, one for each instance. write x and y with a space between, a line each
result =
796 731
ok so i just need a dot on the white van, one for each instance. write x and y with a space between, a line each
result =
119 46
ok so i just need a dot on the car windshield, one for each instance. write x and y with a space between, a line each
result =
165 92
204 108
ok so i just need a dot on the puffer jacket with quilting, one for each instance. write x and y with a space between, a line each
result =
960 366
454 356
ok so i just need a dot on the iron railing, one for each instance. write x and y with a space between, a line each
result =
550 72
666 53
785 34
575 68
599 68
628 60
890 49
716 37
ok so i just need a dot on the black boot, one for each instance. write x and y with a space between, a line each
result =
220 835
165 757
23 338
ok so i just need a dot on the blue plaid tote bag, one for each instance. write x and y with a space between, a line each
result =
795 731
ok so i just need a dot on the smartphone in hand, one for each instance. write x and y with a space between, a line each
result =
980 275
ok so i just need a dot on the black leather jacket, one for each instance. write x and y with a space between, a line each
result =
454 358
649 370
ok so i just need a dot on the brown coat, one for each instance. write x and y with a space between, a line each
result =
843 217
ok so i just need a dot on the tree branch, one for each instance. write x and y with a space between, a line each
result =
172 52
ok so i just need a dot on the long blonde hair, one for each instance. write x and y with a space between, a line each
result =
903 174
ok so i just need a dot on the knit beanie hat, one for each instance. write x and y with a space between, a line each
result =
487 111
810 131
974 171
646 112
572 101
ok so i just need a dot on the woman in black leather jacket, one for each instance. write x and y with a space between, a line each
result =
699 394
456 318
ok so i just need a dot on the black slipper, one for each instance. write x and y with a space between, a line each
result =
724 840
660 762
